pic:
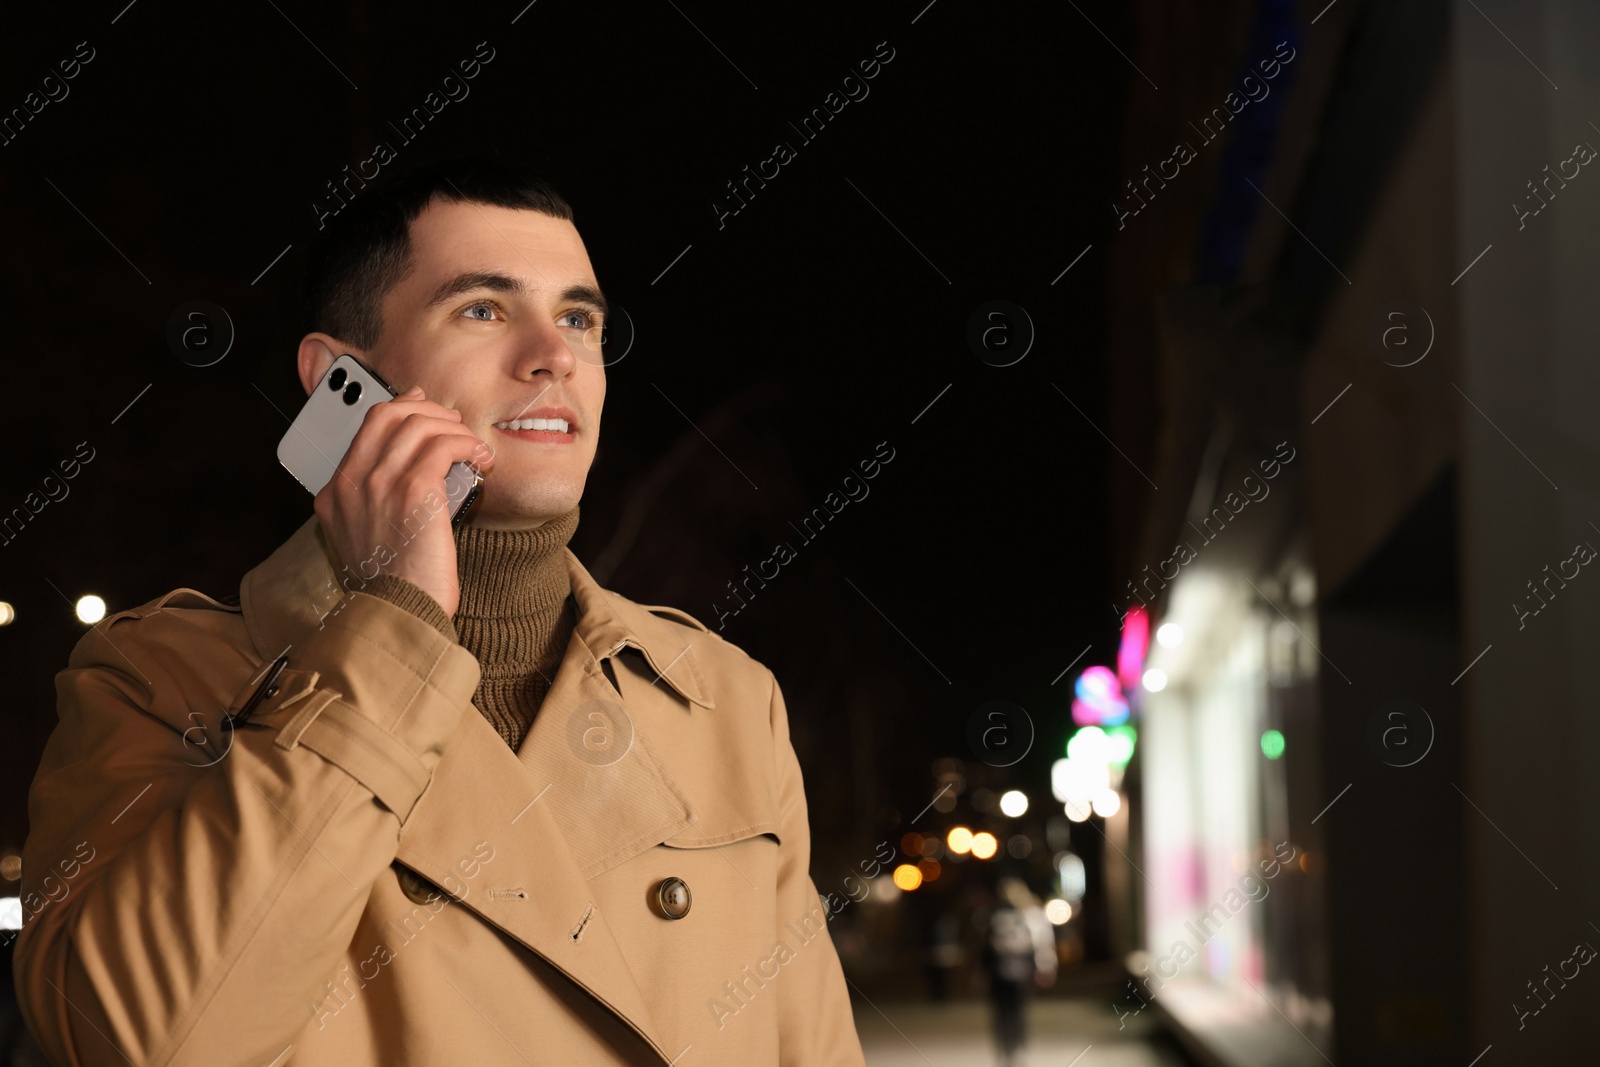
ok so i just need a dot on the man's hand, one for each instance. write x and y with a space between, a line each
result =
385 510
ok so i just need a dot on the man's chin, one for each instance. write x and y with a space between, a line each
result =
526 508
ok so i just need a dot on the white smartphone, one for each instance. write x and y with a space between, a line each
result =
321 434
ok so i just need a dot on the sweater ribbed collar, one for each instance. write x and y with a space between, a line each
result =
514 573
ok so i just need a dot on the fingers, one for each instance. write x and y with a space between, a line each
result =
388 480
381 430
417 463
402 452
412 461
419 441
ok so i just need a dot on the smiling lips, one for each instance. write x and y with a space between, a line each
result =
549 427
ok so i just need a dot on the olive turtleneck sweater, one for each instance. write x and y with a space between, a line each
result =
516 615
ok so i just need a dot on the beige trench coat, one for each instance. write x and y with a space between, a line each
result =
367 874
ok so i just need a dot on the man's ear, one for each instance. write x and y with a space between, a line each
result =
316 355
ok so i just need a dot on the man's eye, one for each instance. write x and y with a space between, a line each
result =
487 305
579 320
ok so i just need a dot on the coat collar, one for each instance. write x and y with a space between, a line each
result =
285 597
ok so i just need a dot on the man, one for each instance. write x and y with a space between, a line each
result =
425 796
1019 952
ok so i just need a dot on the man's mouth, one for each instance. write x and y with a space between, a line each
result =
549 426
555 425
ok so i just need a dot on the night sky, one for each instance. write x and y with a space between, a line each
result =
802 335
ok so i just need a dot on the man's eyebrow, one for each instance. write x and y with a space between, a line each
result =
467 281
496 281
586 294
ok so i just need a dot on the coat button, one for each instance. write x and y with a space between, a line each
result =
672 898
416 888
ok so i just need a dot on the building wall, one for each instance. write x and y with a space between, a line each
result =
1530 492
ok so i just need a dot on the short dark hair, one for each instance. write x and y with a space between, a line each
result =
366 248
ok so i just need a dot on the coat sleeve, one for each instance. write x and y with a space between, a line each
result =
206 905
816 1027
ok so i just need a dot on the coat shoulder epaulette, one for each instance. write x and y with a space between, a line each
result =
676 615
178 598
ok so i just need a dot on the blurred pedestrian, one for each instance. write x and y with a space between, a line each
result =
944 955
1020 952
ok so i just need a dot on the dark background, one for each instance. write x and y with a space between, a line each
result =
797 337
1247 304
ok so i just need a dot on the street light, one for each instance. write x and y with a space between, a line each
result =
91 609
1014 802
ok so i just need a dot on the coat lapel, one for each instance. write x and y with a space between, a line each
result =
533 890
610 794
584 793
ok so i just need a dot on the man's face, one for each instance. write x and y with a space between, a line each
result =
499 318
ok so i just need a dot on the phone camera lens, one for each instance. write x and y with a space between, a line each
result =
336 379
352 392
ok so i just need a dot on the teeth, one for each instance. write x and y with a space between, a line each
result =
557 425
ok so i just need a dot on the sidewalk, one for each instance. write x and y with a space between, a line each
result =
957 1034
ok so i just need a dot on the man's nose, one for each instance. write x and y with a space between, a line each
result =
546 349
